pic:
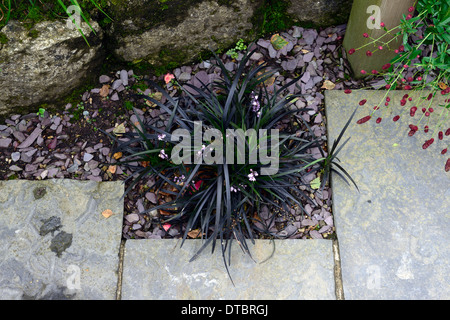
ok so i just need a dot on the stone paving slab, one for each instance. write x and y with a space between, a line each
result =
393 235
160 269
54 241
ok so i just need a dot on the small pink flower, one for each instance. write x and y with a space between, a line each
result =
411 9
168 77
363 71
380 47
166 226
409 16
374 71
419 78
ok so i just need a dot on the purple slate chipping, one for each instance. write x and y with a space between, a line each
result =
31 138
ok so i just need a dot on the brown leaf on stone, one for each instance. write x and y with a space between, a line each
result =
107 213
104 91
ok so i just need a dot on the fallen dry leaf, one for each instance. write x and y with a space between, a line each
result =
117 155
304 51
107 213
119 129
104 91
327 84
112 169
442 85
196 233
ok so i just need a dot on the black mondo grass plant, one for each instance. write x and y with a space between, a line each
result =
222 199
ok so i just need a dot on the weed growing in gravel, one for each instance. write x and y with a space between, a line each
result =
222 200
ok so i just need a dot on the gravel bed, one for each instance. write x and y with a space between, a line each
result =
69 144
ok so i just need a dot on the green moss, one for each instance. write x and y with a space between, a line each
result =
33 34
271 17
3 38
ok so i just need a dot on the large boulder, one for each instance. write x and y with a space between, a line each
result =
176 31
45 63
320 13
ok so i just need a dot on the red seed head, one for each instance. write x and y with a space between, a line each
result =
430 96
412 112
411 133
430 109
379 120
423 110
428 143
447 165
411 9
444 151
369 53
363 120
386 66
365 35
347 91
402 102
447 132
427 114
441 135
396 118
407 87
351 51
374 71
425 129
388 86
401 48
362 102
413 127
363 71
388 99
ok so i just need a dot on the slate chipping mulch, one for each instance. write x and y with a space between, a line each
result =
67 144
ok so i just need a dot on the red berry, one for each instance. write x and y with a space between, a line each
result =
347 91
376 108
362 102
413 127
430 96
396 118
379 120
411 133
447 165
412 112
363 120
444 151
407 87
411 9
374 71
369 53
423 110
441 135
351 51
427 114
401 48
402 102
388 99
425 129
430 110
386 66
447 132
365 35
388 86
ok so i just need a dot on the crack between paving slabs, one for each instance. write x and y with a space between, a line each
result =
120 270
338 284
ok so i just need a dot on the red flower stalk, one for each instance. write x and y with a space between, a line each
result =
363 120
395 119
428 143
362 102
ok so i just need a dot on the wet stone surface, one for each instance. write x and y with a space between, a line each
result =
51 248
